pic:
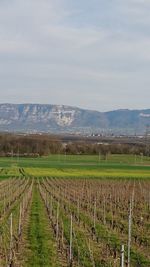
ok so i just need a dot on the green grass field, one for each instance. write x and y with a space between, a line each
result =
116 166
40 249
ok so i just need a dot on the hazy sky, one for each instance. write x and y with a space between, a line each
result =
88 53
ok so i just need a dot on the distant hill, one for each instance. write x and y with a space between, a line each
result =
60 118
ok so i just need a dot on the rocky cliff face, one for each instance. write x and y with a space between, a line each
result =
34 113
56 118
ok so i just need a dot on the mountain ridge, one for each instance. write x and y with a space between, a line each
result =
65 118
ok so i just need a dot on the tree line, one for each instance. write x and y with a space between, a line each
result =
41 145
28 145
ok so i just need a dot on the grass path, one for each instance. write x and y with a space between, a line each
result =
40 248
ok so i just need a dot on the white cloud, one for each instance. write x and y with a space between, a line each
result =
75 50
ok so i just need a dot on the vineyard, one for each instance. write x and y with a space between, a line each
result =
74 222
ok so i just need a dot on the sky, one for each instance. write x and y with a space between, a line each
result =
92 54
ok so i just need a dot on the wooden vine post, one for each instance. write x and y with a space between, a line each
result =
70 248
51 207
57 222
94 224
78 210
104 210
122 256
130 224
129 232
4 203
11 240
20 219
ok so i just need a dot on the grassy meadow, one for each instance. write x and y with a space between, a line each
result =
93 166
